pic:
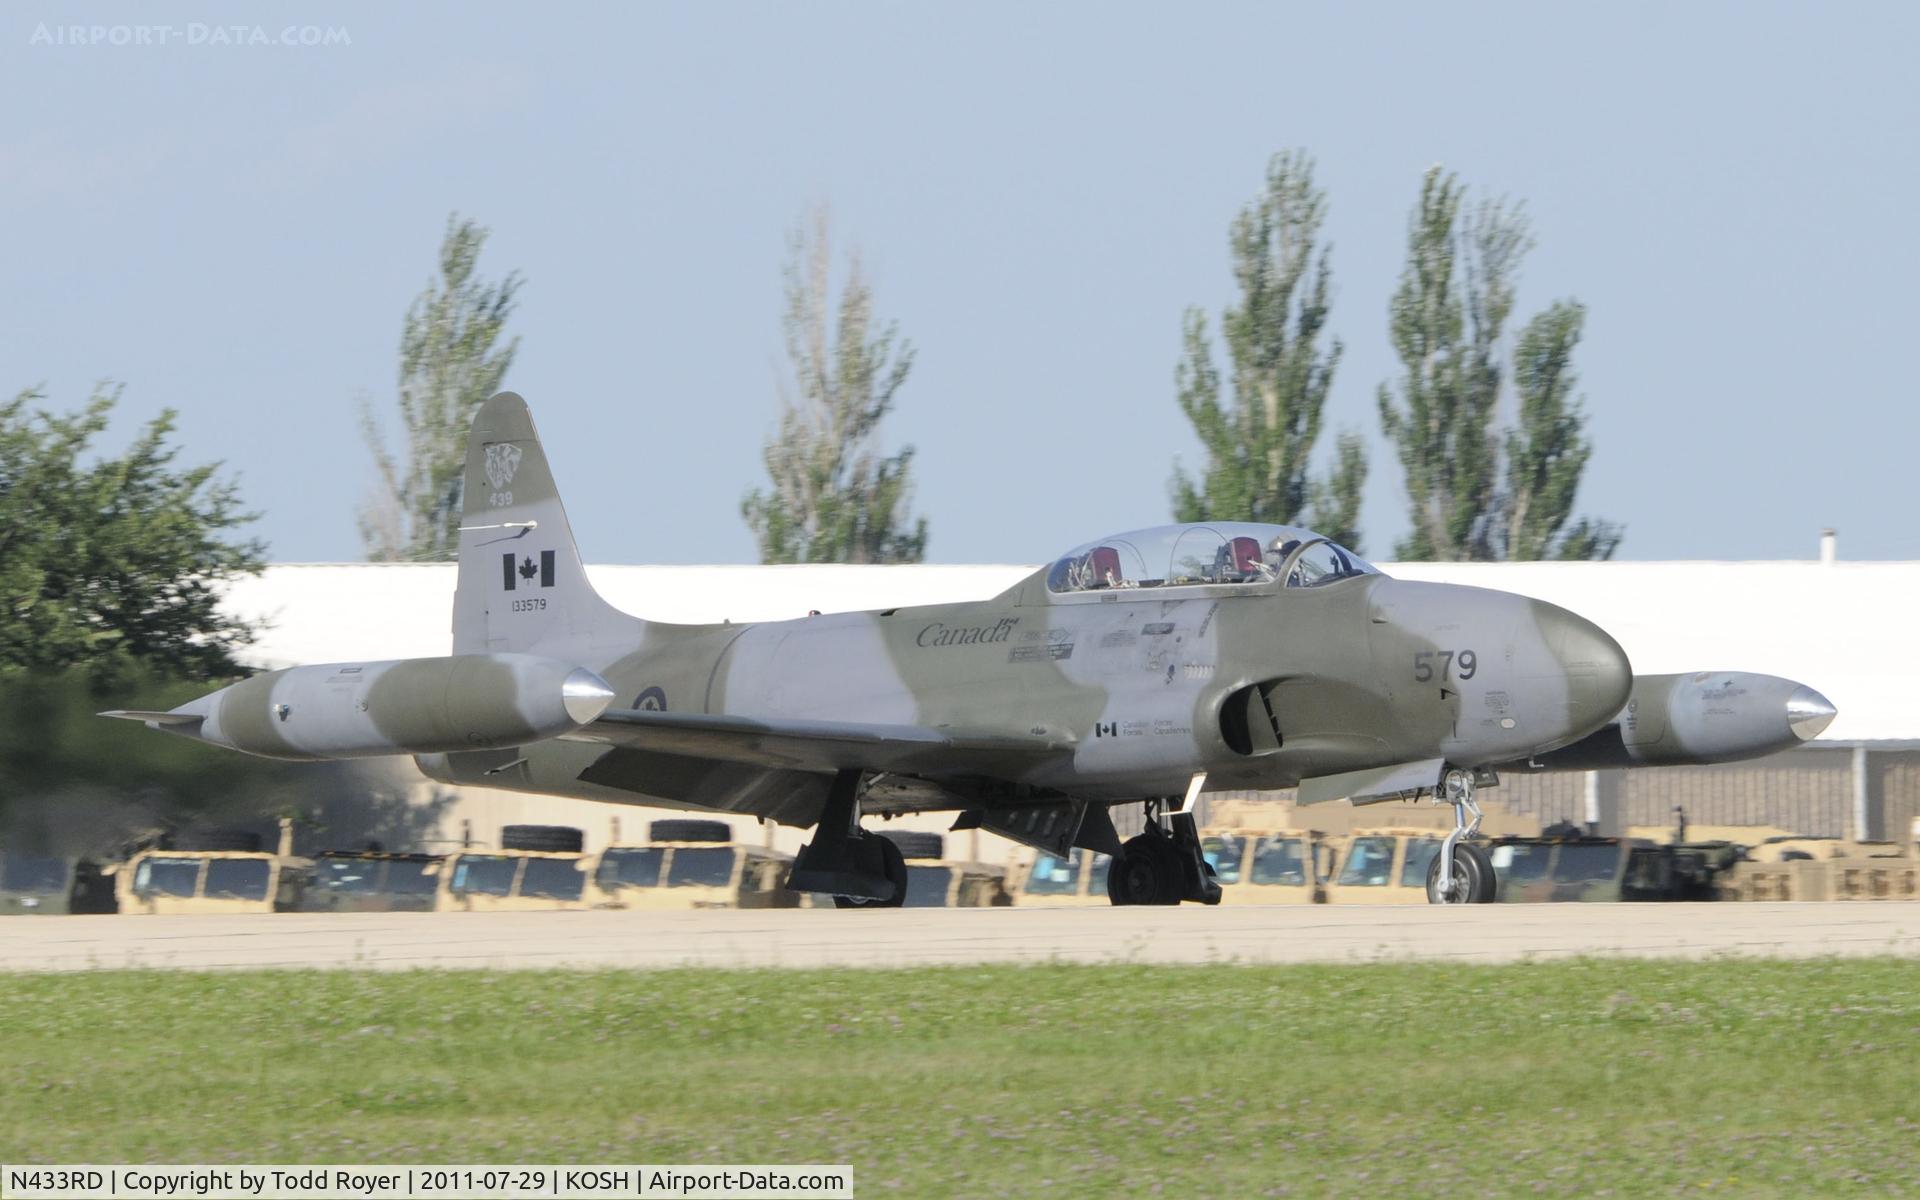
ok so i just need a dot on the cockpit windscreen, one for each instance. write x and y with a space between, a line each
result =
1214 553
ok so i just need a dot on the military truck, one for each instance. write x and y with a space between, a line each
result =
1275 866
1824 868
370 881
1052 881
52 885
689 863
211 871
1383 866
209 881
935 882
1578 867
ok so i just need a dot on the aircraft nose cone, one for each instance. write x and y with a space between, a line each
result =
1809 713
585 695
1599 677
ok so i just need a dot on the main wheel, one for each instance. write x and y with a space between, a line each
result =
1471 881
894 865
1146 872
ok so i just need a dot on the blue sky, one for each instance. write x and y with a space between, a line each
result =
1039 191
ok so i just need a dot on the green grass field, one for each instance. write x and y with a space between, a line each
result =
1588 1078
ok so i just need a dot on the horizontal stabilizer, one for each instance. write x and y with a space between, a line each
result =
1375 783
153 718
819 745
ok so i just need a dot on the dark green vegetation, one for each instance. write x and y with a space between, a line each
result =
113 564
111 570
1577 1078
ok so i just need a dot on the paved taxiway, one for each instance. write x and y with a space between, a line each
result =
921 937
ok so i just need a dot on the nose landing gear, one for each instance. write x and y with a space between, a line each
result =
1163 865
1461 873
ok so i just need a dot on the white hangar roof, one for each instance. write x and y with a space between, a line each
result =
1845 628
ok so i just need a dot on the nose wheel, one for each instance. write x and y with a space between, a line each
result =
1462 872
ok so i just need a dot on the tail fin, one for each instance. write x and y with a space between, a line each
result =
521 583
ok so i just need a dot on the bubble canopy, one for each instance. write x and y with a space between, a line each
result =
1216 552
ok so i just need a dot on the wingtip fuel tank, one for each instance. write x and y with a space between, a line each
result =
402 706
1696 719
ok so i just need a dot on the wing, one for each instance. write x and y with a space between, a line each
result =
808 745
152 718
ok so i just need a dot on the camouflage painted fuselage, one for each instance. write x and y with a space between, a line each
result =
1106 694
1255 656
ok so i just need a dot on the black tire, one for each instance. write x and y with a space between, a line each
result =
686 829
1489 886
1473 873
915 844
894 864
216 840
551 839
1147 871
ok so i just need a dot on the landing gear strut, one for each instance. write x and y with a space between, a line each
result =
859 869
1461 872
1163 865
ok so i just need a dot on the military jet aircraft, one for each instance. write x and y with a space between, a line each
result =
1141 668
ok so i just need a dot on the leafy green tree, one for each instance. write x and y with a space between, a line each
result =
111 571
834 498
1547 450
114 564
1258 444
1445 320
451 360
1474 493
1336 500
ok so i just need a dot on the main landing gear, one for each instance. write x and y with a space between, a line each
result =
1163 865
859 869
1461 872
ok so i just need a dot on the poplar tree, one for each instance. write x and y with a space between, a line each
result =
1259 442
451 361
833 496
1475 493
1547 449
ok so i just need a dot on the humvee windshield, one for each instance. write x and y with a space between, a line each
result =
238 878
631 868
19 873
1224 855
1369 863
1229 552
1420 854
484 874
1522 862
927 886
552 878
346 875
701 868
167 876
409 878
1586 864
1054 876
1279 860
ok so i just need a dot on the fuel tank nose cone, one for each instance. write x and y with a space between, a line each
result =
1599 677
585 695
1809 713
